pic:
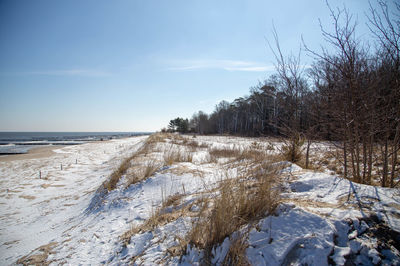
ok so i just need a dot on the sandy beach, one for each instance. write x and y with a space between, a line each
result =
35 153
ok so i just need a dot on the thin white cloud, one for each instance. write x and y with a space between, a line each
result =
73 72
65 72
228 65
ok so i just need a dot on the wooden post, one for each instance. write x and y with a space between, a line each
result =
40 174
61 167
76 161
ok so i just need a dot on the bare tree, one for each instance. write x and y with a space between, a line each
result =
293 88
385 26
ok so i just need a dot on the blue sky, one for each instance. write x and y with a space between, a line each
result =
134 65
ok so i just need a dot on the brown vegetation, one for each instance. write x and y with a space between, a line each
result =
176 154
159 217
117 174
38 256
240 201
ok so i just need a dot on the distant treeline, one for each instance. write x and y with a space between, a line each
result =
350 94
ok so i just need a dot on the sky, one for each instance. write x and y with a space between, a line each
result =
134 65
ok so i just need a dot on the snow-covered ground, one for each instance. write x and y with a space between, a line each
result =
66 217
36 211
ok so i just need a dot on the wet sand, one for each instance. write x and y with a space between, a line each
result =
39 152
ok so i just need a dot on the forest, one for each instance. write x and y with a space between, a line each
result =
349 95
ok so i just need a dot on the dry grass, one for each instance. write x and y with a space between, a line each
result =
240 201
224 210
195 144
224 153
177 139
150 168
270 147
171 155
142 171
174 154
237 251
117 174
38 256
139 172
157 137
254 155
173 200
250 154
159 217
180 249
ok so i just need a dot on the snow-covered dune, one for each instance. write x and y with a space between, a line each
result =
68 217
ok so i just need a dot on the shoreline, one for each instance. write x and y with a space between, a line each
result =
34 153
43 151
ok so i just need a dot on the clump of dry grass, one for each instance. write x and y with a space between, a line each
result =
158 217
254 155
255 145
141 172
194 145
237 251
39 256
173 155
250 154
240 201
224 152
270 147
216 153
157 137
150 168
116 175
177 139
172 200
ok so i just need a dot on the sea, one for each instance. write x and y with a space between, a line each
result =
22 142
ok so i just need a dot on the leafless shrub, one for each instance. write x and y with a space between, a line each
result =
292 149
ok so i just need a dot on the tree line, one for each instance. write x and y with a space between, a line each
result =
350 95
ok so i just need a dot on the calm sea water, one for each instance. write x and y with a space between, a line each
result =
22 142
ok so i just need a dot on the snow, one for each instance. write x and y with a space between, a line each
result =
293 236
37 211
323 219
